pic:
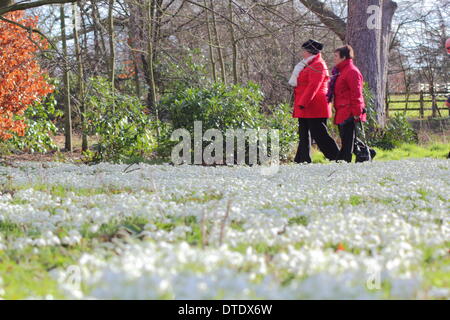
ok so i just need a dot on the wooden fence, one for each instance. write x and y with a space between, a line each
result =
419 103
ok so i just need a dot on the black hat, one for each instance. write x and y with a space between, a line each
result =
312 46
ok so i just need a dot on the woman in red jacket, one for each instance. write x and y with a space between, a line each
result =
346 87
310 78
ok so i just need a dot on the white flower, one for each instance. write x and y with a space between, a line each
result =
317 231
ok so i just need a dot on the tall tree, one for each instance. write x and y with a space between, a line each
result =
66 80
81 92
368 32
234 45
150 9
218 44
210 44
112 49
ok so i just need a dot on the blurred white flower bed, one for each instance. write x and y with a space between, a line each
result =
324 231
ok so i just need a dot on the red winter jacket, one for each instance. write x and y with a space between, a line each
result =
348 92
311 91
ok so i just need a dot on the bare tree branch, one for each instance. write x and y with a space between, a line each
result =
327 17
29 5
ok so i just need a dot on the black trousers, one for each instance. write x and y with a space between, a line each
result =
314 129
347 131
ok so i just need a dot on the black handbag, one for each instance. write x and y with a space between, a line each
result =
361 149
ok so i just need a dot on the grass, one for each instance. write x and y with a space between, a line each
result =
404 151
27 280
25 272
62 191
435 270
412 151
300 220
198 198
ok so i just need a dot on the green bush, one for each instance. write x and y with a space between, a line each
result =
39 119
218 106
396 132
120 121
223 107
281 119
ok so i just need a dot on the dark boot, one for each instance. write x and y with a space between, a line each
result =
347 132
304 145
326 144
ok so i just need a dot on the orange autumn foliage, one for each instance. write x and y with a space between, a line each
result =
128 70
21 79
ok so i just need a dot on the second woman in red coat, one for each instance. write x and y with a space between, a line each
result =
310 78
346 89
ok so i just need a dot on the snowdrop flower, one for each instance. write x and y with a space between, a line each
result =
178 233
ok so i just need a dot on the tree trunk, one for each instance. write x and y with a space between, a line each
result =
112 50
210 45
132 44
136 24
84 143
67 107
150 59
96 37
157 22
150 63
217 43
389 8
369 35
233 43
101 34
